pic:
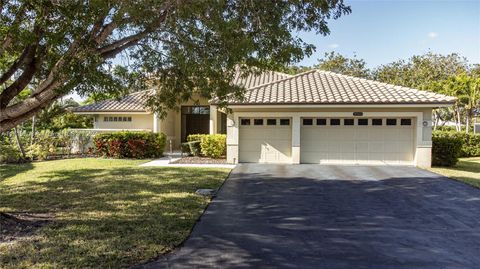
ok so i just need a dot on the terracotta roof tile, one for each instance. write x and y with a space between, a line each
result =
322 87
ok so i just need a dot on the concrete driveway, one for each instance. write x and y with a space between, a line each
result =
313 216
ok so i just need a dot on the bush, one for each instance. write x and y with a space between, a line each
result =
446 148
185 147
127 144
195 137
45 144
213 146
194 147
471 145
9 153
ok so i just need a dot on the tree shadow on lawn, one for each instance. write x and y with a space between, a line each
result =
10 170
107 218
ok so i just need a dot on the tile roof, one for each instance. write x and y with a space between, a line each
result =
253 80
323 87
136 102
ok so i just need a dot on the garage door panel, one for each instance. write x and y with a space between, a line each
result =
265 143
362 144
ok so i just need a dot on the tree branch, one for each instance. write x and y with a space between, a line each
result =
23 80
22 59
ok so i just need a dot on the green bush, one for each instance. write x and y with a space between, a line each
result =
471 145
195 137
446 148
127 144
214 146
9 153
185 147
194 147
210 145
45 144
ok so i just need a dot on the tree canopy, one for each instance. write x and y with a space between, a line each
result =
178 46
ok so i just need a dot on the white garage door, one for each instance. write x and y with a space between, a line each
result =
265 140
359 140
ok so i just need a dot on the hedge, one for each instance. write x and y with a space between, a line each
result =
210 145
446 148
129 144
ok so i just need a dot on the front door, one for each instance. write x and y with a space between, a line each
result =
195 120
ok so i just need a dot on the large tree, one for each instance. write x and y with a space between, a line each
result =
178 46
341 64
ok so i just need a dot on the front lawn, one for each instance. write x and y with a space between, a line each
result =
467 170
105 213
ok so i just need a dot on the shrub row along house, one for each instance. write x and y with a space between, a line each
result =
313 117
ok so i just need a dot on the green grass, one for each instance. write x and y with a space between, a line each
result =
467 170
108 213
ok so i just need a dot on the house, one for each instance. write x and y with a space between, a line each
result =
313 117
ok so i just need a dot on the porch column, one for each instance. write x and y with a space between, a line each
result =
156 123
296 139
213 119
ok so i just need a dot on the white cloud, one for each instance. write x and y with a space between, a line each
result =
333 46
432 34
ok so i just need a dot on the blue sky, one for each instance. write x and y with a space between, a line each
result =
384 31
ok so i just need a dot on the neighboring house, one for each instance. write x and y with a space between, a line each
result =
313 117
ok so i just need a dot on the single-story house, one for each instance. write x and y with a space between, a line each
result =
313 117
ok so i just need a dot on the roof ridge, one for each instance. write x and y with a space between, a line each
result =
372 81
283 79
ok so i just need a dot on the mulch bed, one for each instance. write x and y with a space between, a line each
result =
14 226
199 160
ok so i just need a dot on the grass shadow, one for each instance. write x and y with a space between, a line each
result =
10 170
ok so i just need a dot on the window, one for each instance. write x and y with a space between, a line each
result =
125 119
284 121
245 122
321 121
406 122
334 121
307 121
362 121
205 110
391 121
110 118
258 122
271 121
129 118
105 118
377 122
348 121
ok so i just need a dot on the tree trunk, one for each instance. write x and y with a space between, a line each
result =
33 130
458 119
19 143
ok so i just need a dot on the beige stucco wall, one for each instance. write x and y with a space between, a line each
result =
171 125
422 133
139 121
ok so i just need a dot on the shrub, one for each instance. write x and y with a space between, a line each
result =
185 147
214 146
446 148
9 153
194 147
195 137
471 145
130 144
45 144
210 145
